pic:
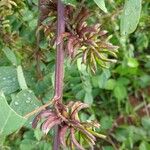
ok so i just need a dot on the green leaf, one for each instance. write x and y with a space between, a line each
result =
29 135
102 79
101 5
110 84
146 122
27 15
21 78
33 24
144 80
108 148
121 134
80 94
120 92
28 144
87 84
132 62
24 102
10 55
94 81
123 81
8 79
10 121
70 2
88 99
130 16
144 146
106 122
38 134
81 67
45 145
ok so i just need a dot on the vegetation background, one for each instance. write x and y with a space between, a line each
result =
119 96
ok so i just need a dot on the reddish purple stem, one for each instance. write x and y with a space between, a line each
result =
59 69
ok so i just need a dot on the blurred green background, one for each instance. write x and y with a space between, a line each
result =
119 96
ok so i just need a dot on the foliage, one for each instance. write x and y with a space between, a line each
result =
119 96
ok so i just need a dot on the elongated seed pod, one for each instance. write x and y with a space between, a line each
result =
42 115
62 134
73 139
77 109
49 123
69 46
83 130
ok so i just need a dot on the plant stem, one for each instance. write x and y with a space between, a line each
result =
59 69
37 50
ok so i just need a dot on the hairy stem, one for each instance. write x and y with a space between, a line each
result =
59 70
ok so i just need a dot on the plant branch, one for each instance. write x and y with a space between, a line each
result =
59 69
